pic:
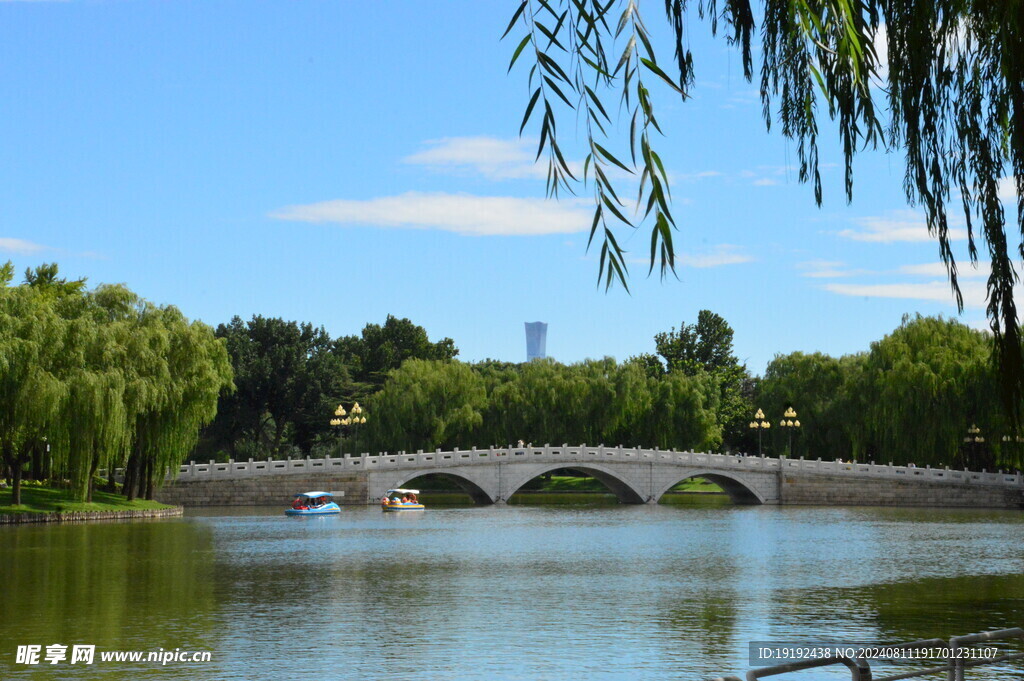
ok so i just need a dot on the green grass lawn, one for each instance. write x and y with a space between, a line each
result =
564 489
560 483
697 485
564 483
36 499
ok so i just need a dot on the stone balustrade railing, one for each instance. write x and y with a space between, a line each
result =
583 454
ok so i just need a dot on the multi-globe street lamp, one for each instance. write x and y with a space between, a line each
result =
973 441
760 425
790 421
345 421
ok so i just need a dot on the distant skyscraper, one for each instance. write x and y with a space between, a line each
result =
536 340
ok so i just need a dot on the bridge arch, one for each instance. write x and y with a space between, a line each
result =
476 489
626 491
739 490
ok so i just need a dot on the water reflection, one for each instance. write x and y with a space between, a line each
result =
118 586
525 592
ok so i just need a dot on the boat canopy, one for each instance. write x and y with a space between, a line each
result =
314 495
404 491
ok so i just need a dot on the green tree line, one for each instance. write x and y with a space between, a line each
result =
910 397
690 395
914 396
100 379
428 404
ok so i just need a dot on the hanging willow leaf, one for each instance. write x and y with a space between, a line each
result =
515 17
529 109
519 50
608 155
656 70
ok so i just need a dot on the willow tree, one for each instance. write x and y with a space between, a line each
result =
177 370
100 376
818 387
77 378
199 370
94 428
31 395
921 388
948 93
545 401
424 404
683 414
502 421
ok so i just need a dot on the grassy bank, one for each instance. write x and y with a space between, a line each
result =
573 498
38 499
559 483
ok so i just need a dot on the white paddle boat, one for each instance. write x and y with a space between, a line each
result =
391 501
313 503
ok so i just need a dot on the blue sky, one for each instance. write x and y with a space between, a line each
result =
335 162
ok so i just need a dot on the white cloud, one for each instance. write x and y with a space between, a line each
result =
779 170
460 213
20 246
768 176
742 98
693 177
471 151
492 157
1007 189
718 256
938 269
827 269
724 254
881 45
935 291
897 225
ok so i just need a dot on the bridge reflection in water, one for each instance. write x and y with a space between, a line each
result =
637 475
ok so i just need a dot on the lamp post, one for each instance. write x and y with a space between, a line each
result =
760 425
790 421
973 441
345 421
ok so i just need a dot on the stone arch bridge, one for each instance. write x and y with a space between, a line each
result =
635 475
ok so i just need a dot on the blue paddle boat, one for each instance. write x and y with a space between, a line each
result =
313 503
391 502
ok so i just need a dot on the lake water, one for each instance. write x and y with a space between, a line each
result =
513 592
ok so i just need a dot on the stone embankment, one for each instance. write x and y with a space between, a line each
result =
266 490
833 490
86 516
